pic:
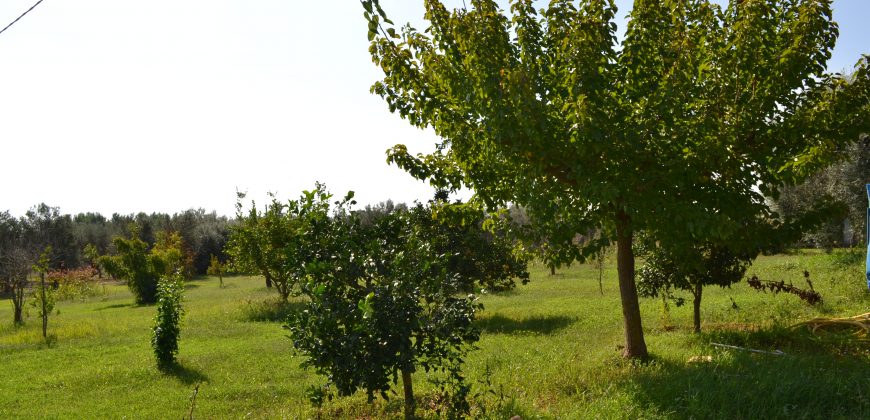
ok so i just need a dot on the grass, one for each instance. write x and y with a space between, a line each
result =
549 349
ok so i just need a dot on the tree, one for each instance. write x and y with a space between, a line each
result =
43 296
712 265
16 261
92 257
134 263
279 241
46 227
167 323
390 297
216 268
668 132
844 181
723 263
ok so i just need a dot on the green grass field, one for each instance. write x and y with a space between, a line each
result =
549 349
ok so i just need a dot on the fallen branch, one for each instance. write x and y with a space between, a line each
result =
861 324
807 295
727 346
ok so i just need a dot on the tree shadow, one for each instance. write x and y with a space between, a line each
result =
815 378
270 310
116 306
185 375
500 324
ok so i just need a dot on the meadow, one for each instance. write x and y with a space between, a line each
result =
549 349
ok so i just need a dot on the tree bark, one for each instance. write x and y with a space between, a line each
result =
552 270
18 302
44 314
409 394
697 306
635 346
268 282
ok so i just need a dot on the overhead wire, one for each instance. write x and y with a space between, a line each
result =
19 17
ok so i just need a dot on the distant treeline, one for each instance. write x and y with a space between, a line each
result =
203 233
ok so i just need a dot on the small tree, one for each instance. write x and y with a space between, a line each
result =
167 323
281 240
385 299
135 265
713 266
43 296
92 256
16 261
216 268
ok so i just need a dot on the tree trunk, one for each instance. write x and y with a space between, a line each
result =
16 309
635 346
552 270
409 394
697 304
44 314
268 282
18 302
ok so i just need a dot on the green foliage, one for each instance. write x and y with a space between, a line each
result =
392 296
844 182
78 284
168 257
280 241
167 323
216 268
678 131
43 296
134 264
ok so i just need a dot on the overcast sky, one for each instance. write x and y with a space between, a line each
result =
163 105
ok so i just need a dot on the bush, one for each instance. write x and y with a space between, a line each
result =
167 324
78 284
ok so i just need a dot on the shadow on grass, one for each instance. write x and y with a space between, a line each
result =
814 379
270 310
499 324
185 375
116 306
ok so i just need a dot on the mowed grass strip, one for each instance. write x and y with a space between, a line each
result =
550 349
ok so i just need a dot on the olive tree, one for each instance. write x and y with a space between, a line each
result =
671 130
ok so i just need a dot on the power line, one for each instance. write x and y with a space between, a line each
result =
19 17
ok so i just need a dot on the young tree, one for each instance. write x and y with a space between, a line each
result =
92 257
167 323
135 264
390 297
711 265
16 261
43 296
279 241
668 132
216 268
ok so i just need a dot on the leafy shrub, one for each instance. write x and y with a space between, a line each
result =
167 324
78 284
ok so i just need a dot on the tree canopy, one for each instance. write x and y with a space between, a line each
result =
679 129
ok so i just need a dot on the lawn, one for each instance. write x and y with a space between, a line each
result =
549 349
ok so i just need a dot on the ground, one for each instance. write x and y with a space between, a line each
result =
549 349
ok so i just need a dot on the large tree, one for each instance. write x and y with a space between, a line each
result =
679 129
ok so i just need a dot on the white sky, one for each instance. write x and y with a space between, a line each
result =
163 105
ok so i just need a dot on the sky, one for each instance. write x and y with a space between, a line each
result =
164 105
